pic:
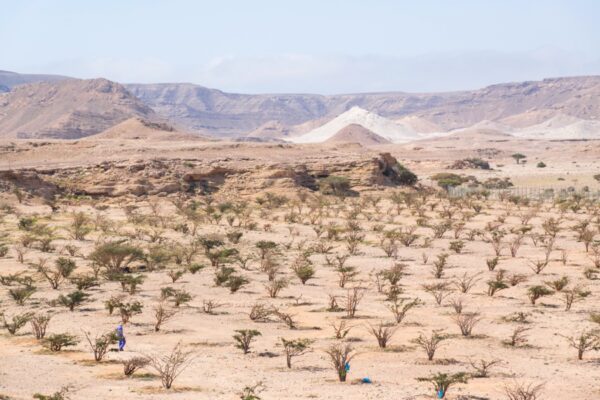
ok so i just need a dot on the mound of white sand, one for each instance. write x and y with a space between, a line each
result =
562 127
377 124
486 125
419 124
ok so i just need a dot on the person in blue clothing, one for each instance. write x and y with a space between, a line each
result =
440 394
121 337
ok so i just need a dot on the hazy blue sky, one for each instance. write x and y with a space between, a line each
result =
323 46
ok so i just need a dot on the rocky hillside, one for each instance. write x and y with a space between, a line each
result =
227 114
58 107
67 109
518 104
8 79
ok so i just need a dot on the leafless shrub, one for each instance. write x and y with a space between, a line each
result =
465 282
482 367
275 286
340 354
162 313
587 340
340 329
522 391
132 364
39 324
333 304
353 239
439 291
563 257
21 252
170 366
515 244
573 295
466 322
100 343
441 228
209 306
260 312
400 307
251 392
382 333
495 240
62 394
431 343
518 338
538 265
390 248
286 318
269 266
457 304
551 226
353 298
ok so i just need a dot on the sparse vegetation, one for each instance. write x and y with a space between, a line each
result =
169 366
244 338
348 272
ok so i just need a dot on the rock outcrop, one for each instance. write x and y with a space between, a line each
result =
163 177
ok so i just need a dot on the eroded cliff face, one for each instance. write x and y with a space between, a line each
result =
164 177
518 104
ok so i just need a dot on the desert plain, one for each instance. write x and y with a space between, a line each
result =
217 235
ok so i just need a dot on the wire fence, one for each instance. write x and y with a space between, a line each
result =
534 193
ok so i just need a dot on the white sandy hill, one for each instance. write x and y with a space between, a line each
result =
562 127
355 133
419 124
487 125
377 124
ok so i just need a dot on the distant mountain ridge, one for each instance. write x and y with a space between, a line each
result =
227 114
8 79
31 109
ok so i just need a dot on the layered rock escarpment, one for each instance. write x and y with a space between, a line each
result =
168 176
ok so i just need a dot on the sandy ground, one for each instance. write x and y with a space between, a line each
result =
221 371
568 163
